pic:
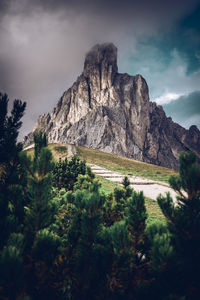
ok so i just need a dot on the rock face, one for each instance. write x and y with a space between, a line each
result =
111 112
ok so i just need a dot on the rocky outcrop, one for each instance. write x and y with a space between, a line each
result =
111 112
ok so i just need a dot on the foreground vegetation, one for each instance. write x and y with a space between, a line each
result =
154 212
153 209
62 237
120 164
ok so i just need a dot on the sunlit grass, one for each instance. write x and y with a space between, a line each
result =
124 165
58 151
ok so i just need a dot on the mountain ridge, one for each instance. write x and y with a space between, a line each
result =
110 111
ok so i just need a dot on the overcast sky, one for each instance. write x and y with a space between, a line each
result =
43 44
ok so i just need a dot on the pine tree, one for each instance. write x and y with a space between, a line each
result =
11 174
121 196
89 255
136 217
65 172
180 247
131 250
12 199
41 243
126 182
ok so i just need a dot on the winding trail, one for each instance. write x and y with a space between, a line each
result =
150 188
71 150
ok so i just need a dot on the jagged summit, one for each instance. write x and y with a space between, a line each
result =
110 111
102 52
101 61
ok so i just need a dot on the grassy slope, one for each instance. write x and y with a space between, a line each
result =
58 151
123 165
115 163
129 167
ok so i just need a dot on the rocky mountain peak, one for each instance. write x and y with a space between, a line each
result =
111 112
101 62
102 53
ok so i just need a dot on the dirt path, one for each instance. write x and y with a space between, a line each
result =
71 150
150 188
29 147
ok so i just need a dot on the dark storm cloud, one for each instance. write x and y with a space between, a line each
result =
184 37
185 110
117 10
170 60
43 43
4 4
189 43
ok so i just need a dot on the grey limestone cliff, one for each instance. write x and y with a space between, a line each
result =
111 112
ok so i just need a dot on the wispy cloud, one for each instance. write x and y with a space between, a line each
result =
167 98
185 110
